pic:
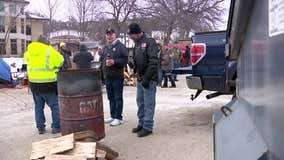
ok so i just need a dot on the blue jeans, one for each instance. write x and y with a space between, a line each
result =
114 89
51 99
176 65
146 102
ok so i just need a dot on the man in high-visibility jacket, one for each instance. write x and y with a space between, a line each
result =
43 63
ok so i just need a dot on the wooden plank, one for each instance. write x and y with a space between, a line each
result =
87 149
111 154
52 146
64 157
100 153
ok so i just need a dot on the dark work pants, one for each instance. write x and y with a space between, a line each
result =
114 89
170 76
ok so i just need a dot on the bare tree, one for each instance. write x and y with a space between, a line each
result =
52 6
120 11
203 14
184 15
97 29
84 13
166 12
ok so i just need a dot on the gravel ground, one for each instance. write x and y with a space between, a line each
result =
182 131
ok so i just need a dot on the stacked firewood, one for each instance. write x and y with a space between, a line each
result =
129 79
75 146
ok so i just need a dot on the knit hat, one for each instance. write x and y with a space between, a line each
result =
110 31
43 39
61 44
83 47
134 28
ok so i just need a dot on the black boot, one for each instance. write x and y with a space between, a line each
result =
165 85
173 83
144 132
41 130
55 130
137 129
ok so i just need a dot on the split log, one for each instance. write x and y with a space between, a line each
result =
64 157
110 154
86 149
52 146
101 154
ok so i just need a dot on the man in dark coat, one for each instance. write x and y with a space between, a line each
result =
146 67
83 59
114 59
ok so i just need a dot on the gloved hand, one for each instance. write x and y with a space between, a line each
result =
145 84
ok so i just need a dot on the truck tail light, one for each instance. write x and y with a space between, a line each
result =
197 52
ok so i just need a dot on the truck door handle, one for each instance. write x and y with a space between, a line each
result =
225 110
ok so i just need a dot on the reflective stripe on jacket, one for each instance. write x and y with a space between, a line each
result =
43 62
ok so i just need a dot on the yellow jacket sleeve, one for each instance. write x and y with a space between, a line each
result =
56 59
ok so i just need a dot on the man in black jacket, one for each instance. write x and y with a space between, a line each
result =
83 59
146 67
114 59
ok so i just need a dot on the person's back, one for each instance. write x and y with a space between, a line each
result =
176 53
43 63
167 66
185 57
83 59
167 61
42 76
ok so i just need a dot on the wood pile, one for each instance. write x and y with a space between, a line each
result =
129 79
76 146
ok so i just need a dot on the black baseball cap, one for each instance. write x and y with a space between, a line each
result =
110 31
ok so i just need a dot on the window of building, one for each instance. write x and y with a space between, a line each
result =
22 10
27 43
13 8
22 26
14 50
28 27
13 25
2 6
23 43
2 24
2 47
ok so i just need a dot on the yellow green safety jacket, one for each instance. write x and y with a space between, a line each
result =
43 62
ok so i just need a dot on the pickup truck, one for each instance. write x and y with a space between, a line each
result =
210 70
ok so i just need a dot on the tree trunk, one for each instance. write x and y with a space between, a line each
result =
168 33
117 26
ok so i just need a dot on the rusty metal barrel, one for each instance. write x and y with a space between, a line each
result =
80 101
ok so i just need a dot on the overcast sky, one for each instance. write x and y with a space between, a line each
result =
65 8
40 6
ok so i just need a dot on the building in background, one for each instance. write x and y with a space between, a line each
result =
35 25
67 36
17 28
70 37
